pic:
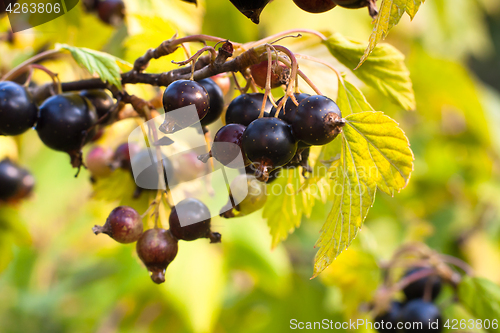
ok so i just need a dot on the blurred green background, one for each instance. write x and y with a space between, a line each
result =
57 276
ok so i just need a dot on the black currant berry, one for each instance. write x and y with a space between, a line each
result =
227 146
315 6
246 108
179 94
98 162
195 216
269 144
124 225
18 112
11 178
388 320
111 11
64 122
287 113
318 120
157 248
417 289
145 171
355 4
280 74
251 8
247 194
100 100
420 316
121 157
216 101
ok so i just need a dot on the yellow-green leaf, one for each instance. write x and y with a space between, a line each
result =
375 154
106 66
350 99
389 15
384 70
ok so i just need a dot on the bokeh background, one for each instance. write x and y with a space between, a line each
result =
57 276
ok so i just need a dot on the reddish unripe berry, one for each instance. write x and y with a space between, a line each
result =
124 225
227 146
280 73
122 155
111 11
188 167
157 248
223 81
98 161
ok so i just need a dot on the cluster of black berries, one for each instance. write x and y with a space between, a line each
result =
16 183
418 313
111 12
253 8
158 247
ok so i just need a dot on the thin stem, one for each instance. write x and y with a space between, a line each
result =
284 33
23 66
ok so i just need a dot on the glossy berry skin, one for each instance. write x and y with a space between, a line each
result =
195 216
216 101
227 145
63 121
179 94
287 113
246 108
355 4
280 73
124 225
11 178
268 143
417 289
18 112
420 311
157 248
98 161
318 120
389 319
111 11
315 6
251 8
101 101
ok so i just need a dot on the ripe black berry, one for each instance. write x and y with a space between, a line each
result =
157 248
355 4
216 101
315 6
388 320
124 225
98 161
417 289
100 100
111 11
251 8
246 108
18 112
420 316
247 194
287 113
227 146
195 217
179 94
318 120
64 120
268 143
11 178
280 73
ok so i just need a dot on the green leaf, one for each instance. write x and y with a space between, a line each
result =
385 70
481 297
285 205
389 15
375 154
106 66
350 99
